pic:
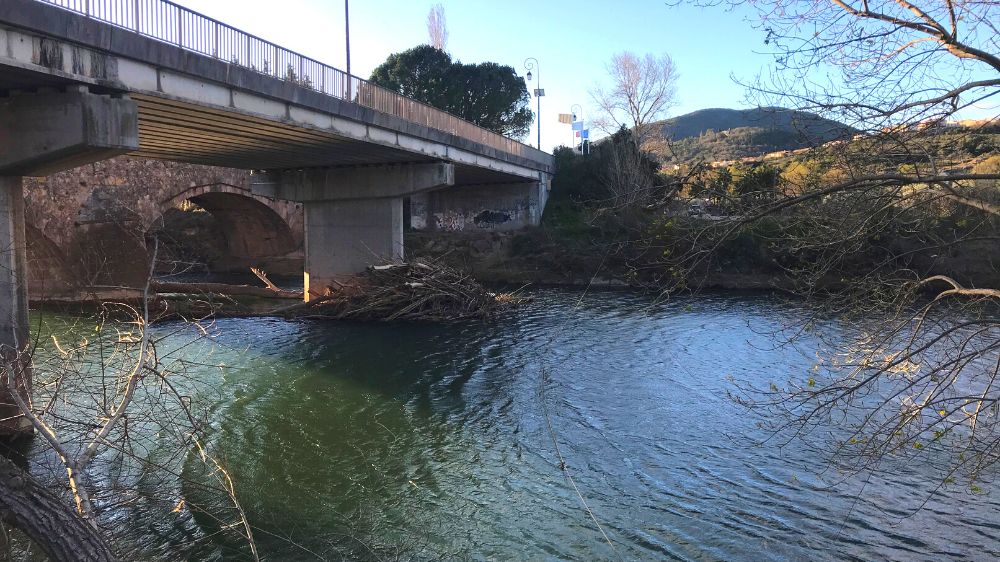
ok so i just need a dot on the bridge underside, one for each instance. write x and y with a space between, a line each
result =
185 132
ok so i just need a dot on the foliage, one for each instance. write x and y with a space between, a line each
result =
591 178
488 94
423 73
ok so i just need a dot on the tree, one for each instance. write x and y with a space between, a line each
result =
423 73
918 382
488 94
641 92
495 97
98 393
437 28
46 520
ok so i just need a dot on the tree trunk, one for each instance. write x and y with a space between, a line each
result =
46 520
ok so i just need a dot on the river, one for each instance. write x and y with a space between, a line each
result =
354 441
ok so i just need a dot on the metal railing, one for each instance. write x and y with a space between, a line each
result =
167 22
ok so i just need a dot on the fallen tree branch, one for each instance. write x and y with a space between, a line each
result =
224 289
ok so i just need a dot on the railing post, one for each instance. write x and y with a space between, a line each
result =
86 8
247 62
180 28
322 78
215 33
135 15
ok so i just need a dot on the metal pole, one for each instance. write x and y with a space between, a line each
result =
539 118
531 63
572 110
539 96
347 34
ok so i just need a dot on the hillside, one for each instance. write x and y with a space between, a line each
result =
727 134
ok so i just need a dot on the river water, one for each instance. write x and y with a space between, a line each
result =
351 441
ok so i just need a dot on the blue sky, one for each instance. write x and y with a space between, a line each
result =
571 40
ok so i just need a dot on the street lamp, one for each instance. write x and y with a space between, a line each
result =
531 63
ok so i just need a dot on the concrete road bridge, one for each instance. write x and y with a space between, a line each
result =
83 81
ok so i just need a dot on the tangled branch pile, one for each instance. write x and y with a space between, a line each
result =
414 291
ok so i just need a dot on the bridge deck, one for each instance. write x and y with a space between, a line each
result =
207 109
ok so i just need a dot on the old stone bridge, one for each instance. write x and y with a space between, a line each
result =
264 138
89 226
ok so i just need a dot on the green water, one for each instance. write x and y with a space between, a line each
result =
350 441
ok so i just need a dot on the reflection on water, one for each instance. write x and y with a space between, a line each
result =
432 442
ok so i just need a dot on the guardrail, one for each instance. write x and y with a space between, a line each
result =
176 25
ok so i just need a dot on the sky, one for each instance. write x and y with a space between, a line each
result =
572 41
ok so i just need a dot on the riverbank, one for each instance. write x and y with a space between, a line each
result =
576 246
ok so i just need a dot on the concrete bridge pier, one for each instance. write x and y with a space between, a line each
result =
41 133
342 238
13 305
353 215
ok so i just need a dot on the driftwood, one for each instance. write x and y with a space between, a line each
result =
271 286
223 289
415 291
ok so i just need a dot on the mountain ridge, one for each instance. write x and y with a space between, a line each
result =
723 134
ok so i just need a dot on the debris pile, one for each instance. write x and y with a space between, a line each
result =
416 291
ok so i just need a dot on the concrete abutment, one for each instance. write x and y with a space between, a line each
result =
492 207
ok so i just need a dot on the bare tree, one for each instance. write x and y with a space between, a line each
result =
98 398
917 378
641 91
32 508
437 28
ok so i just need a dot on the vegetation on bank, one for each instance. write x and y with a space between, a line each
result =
648 236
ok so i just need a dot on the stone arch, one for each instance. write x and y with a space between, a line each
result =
48 274
256 230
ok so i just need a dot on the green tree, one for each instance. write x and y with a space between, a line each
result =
422 73
488 94
495 98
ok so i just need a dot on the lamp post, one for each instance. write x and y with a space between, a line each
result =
347 35
573 110
531 63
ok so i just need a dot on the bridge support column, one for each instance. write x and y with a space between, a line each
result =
353 215
14 368
345 237
40 134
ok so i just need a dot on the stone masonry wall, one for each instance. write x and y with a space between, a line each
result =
88 225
